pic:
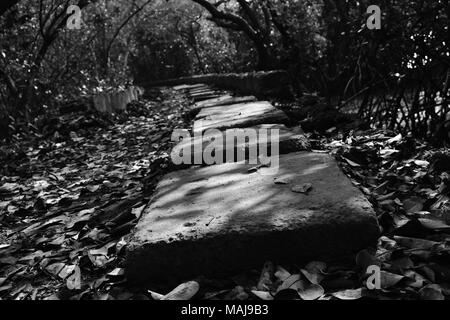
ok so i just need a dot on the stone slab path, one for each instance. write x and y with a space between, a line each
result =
239 116
290 140
221 101
220 219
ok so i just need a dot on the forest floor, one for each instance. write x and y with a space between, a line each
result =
69 199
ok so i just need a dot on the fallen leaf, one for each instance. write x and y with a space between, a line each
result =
431 292
414 243
314 271
350 162
40 185
118 272
355 294
265 279
312 292
263 295
304 188
414 279
55 269
396 139
435 225
238 293
155 295
73 282
413 205
282 274
282 180
422 163
137 212
183 292
289 282
389 280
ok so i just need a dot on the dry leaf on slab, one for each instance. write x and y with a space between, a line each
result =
137 212
303 188
282 181
183 292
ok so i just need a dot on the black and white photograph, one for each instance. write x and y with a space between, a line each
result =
225 154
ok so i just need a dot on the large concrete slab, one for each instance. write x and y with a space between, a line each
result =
289 140
213 102
223 219
239 116
225 100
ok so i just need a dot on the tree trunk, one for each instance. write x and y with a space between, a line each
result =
265 60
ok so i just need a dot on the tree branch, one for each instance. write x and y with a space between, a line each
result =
221 16
124 23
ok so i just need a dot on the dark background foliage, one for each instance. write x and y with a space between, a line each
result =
396 77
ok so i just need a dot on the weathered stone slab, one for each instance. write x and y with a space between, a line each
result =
222 219
214 102
248 147
221 101
239 116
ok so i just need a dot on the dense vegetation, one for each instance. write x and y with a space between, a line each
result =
74 183
397 77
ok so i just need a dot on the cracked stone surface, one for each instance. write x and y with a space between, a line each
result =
226 218
239 116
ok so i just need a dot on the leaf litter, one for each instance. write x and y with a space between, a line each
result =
70 194
63 226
